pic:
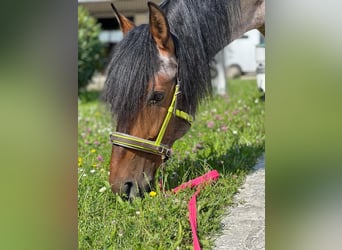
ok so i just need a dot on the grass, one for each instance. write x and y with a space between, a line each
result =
228 135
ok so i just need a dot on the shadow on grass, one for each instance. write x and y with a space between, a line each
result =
238 158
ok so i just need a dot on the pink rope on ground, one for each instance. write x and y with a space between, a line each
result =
210 176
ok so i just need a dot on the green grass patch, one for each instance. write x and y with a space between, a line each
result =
228 135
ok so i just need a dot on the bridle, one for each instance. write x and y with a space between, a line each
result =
153 147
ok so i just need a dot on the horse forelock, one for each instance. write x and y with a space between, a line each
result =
134 63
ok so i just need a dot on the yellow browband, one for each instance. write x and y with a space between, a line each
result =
154 147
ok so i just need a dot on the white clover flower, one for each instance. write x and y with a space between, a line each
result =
102 189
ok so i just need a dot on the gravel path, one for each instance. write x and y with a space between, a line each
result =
244 223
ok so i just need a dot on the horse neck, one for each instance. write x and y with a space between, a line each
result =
252 16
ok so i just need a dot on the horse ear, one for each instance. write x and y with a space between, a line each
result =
125 24
160 29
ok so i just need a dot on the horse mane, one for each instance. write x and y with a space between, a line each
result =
199 28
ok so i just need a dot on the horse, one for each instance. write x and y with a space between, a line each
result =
158 75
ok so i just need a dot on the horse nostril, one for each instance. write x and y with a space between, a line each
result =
126 190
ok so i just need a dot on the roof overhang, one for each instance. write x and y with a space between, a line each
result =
102 8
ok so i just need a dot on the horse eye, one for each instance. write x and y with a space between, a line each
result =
156 97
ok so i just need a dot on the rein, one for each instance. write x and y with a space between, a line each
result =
153 147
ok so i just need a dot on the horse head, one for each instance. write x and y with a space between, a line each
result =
145 134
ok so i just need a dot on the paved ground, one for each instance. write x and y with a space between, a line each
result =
244 224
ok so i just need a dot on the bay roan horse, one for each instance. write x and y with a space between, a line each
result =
158 75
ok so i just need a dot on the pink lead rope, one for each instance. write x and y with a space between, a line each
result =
210 176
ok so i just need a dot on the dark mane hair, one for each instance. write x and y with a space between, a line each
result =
200 29
134 63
